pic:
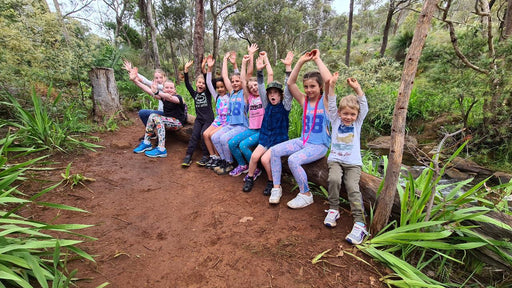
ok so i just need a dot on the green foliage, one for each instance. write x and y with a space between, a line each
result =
31 255
440 243
39 129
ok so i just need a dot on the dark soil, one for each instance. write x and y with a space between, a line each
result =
159 225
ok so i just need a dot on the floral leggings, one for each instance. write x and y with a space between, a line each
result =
160 123
299 154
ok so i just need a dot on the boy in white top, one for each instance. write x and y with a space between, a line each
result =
344 161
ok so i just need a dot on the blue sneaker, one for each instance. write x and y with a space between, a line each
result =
142 147
156 153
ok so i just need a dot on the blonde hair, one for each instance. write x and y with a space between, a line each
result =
160 71
349 101
252 79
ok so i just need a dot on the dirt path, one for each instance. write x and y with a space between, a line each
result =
158 225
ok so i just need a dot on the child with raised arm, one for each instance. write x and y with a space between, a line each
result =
218 91
159 77
314 141
241 145
274 128
345 161
174 116
237 116
204 116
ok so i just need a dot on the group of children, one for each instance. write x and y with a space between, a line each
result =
252 125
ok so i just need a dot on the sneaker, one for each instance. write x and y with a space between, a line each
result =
238 170
268 188
332 216
249 182
300 201
257 173
225 168
212 163
186 161
357 234
203 161
156 153
221 163
275 195
142 147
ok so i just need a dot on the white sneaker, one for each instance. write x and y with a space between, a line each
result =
275 195
357 234
300 201
332 216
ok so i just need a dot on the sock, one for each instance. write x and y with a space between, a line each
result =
147 142
161 148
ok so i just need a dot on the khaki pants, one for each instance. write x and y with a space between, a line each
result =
349 175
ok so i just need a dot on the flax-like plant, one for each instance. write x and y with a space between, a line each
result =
440 243
29 254
37 128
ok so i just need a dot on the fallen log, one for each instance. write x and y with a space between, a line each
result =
369 185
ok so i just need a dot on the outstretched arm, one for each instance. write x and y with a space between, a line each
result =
270 72
243 78
292 81
330 91
187 79
224 72
210 62
250 66
287 101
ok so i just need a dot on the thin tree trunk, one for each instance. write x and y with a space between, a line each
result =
61 20
387 26
198 45
154 44
349 33
508 21
387 196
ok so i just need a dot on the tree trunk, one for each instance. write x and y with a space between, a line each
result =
387 26
104 93
349 33
154 44
387 196
198 37
61 20
508 21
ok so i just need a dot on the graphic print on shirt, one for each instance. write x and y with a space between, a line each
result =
319 121
344 140
201 100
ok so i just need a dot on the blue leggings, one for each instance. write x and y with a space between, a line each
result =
221 138
299 154
242 144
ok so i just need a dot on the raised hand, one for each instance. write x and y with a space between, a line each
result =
210 61
133 73
259 63
232 57
288 60
187 65
246 58
315 53
306 57
334 79
252 49
127 65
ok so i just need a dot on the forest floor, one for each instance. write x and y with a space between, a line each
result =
159 225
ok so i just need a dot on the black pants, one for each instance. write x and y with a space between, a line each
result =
197 132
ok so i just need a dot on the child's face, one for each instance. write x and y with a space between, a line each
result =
348 115
274 96
253 88
221 89
200 85
311 88
236 83
169 88
159 78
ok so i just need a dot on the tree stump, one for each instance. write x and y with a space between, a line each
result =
105 96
